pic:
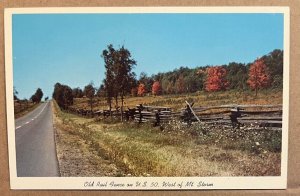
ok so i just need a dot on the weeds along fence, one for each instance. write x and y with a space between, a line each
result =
236 115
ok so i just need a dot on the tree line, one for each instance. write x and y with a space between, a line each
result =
120 81
35 98
267 72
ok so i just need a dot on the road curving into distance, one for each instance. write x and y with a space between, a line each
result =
35 145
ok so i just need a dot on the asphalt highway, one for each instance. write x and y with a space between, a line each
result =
35 145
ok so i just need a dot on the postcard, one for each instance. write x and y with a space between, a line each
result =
147 98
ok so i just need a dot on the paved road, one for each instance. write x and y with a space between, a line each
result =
35 146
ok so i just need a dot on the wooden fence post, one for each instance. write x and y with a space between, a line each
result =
235 113
157 118
191 111
140 109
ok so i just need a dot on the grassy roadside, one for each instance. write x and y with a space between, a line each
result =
19 113
147 151
75 156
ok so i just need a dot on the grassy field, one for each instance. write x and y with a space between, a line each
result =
200 98
128 149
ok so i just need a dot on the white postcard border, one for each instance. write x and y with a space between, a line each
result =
152 183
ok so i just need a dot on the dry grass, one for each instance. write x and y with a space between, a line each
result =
200 98
148 151
76 157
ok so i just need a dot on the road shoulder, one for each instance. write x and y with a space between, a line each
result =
75 157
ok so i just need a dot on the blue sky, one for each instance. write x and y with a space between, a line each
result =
66 48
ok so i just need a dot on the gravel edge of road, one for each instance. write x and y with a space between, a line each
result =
75 156
55 137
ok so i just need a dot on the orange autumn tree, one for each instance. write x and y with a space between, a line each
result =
141 89
216 79
259 76
156 88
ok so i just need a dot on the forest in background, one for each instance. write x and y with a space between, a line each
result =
234 76
120 81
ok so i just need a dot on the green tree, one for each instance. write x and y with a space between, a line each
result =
77 92
122 69
237 75
63 95
15 94
37 96
89 91
101 91
274 63
109 81
180 85
194 82
165 84
119 77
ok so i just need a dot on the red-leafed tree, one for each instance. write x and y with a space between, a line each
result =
156 88
216 79
259 76
141 89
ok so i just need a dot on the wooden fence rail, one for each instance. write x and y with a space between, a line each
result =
264 115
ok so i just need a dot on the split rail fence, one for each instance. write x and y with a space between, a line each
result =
263 115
